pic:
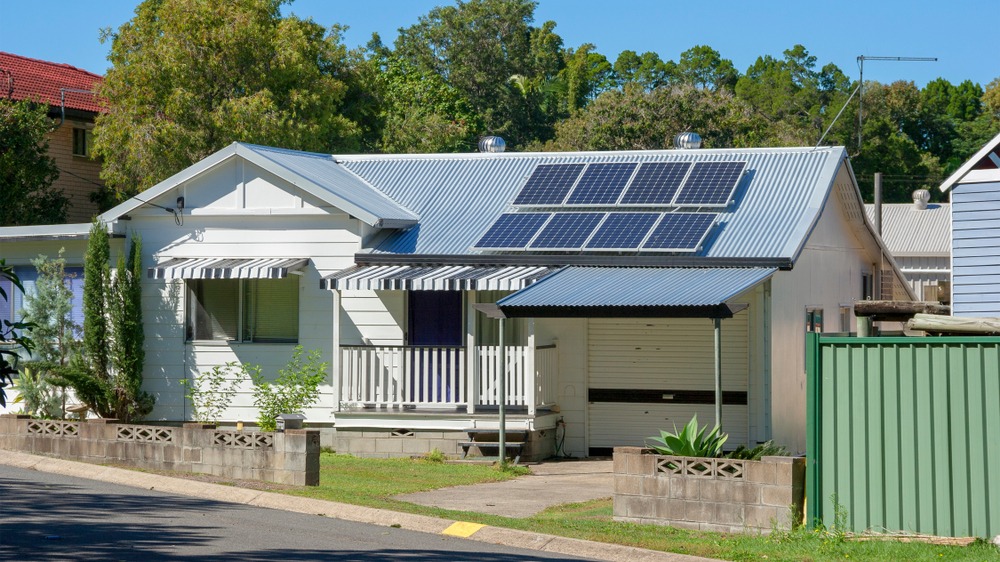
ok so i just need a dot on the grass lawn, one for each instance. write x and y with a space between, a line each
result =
373 483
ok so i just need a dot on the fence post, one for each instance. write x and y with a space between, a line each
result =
814 488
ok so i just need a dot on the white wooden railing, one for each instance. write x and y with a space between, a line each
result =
394 376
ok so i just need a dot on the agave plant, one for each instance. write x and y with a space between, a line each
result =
690 441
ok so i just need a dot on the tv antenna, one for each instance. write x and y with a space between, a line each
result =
861 81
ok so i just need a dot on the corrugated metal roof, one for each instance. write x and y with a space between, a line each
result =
581 287
459 196
445 278
909 231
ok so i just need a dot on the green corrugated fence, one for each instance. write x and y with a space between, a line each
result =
904 434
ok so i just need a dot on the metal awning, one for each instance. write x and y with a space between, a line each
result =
226 268
635 292
439 278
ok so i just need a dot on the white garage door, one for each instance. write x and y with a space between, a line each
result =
648 374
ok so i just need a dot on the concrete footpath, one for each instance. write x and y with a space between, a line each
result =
423 523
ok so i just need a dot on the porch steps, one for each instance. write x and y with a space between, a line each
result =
488 441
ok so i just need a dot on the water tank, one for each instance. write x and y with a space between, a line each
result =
492 144
687 141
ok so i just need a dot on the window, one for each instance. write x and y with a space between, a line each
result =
247 310
845 319
814 319
82 142
12 308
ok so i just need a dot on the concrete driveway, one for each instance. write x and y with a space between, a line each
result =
551 483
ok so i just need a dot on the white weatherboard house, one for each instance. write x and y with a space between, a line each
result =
974 190
616 271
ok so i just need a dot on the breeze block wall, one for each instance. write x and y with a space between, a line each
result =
289 457
724 495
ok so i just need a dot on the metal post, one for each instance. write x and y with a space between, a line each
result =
503 399
878 203
718 371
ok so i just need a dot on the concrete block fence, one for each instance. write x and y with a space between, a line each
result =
290 457
724 495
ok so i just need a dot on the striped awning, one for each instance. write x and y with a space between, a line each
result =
435 278
226 268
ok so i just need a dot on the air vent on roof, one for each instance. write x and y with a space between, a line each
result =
920 199
492 144
687 141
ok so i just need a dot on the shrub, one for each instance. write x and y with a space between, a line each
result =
690 441
295 389
211 392
766 449
40 398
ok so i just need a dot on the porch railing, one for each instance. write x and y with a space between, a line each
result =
395 376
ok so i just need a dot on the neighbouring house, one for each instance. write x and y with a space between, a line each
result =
627 282
69 93
974 191
919 237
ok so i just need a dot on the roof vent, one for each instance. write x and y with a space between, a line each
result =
687 141
920 199
492 144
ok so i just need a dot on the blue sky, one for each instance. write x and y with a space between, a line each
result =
957 32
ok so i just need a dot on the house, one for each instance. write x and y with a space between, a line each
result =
919 237
974 191
73 106
634 289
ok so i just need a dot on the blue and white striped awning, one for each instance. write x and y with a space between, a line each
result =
435 278
226 268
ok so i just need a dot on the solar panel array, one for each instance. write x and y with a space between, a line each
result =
620 232
659 184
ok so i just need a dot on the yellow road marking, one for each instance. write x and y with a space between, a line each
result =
462 529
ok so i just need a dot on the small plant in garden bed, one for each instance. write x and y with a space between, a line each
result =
690 441
296 388
211 392
766 449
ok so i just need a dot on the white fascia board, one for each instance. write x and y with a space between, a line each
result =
966 168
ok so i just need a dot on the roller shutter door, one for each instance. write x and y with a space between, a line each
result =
647 374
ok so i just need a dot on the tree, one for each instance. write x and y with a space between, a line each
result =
477 48
647 71
109 377
49 308
190 77
704 67
26 170
634 119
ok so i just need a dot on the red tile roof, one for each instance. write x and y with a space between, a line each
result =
42 80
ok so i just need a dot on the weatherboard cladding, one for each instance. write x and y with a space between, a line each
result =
975 253
637 287
459 196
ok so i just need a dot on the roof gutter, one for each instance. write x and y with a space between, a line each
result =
364 258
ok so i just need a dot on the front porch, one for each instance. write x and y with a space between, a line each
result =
443 379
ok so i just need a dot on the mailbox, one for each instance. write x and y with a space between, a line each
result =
289 421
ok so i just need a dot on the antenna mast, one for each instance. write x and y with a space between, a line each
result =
861 81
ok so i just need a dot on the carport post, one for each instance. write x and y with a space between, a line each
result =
718 371
503 398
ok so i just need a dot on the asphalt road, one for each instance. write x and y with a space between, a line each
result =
47 516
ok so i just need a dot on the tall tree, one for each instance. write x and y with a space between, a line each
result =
49 308
190 77
704 67
26 169
487 50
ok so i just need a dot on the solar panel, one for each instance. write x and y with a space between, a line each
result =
711 184
622 231
566 231
601 184
512 231
655 183
680 232
548 184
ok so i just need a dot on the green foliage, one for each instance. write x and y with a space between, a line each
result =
49 308
108 378
212 391
12 332
690 441
190 77
41 398
295 388
766 449
26 169
435 456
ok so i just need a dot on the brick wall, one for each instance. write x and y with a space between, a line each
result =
291 457
724 495
78 176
